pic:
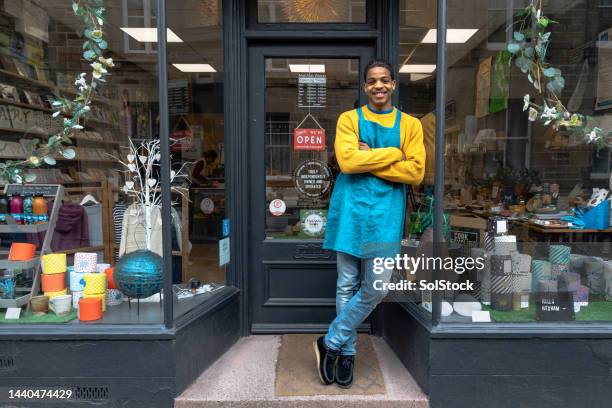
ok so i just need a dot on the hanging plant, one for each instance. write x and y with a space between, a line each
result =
528 48
92 13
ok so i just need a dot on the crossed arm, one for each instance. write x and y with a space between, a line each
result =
405 165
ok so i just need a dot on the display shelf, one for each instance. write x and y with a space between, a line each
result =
26 105
48 85
23 228
61 159
82 249
17 302
101 99
73 138
17 265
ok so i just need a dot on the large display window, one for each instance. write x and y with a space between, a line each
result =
81 214
527 162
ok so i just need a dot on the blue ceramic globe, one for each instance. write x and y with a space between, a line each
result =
139 274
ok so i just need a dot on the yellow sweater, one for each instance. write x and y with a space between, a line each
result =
386 162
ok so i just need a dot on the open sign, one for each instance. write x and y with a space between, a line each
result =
308 139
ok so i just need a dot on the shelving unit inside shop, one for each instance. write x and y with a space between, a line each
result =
53 192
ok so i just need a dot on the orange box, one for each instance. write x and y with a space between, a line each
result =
21 251
54 282
90 309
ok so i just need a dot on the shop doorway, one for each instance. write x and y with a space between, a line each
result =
296 94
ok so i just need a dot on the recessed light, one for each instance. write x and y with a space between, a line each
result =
143 34
307 68
453 35
417 69
194 67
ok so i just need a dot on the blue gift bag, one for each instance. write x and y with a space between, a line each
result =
595 218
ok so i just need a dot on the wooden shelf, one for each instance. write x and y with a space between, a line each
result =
83 249
75 139
16 265
23 228
48 85
26 105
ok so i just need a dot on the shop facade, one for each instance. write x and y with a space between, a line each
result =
240 100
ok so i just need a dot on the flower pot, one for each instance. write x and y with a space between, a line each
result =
61 305
39 305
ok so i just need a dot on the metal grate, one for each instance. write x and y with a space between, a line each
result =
91 393
6 362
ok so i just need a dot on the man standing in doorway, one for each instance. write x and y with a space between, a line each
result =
379 150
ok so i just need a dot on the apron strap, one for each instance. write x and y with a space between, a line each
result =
398 119
360 113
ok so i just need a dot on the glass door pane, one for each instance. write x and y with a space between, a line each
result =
303 98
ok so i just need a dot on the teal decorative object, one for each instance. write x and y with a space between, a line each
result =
139 274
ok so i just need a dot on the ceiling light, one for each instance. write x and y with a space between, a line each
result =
194 67
418 77
307 68
149 34
417 69
453 35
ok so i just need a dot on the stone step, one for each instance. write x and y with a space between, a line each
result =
245 377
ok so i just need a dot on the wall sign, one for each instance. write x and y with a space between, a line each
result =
308 139
312 90
313 222
277 207
225 227
224 251
313 178
207 205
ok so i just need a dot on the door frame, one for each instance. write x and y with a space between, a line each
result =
257 54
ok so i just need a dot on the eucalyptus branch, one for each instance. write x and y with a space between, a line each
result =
93 14
528 49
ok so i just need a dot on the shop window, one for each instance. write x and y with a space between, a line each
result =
81 210
195 96
528 198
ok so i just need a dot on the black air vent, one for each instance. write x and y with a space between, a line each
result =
91 393
6 363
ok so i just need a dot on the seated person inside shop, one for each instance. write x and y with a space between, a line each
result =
379 150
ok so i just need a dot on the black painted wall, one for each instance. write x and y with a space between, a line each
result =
120 373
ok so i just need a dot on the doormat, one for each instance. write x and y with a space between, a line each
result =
296 369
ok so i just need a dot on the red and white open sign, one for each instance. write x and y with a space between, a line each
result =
308 139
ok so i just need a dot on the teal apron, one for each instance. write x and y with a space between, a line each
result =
366 213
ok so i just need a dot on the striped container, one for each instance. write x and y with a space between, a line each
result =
501 284
548 286
540 271
559 254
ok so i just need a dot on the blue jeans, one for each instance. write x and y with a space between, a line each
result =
355 300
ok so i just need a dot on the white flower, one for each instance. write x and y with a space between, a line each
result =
533 114
98 70
526 101
81 82
107 61
549 114
56 114
538 14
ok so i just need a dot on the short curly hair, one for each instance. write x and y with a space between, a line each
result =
375 63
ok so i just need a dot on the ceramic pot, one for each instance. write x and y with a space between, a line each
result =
40 304
61 305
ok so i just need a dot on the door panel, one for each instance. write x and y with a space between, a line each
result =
292 279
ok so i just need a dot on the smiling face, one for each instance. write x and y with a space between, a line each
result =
379 87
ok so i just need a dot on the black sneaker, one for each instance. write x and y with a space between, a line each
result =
326 361
344 371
